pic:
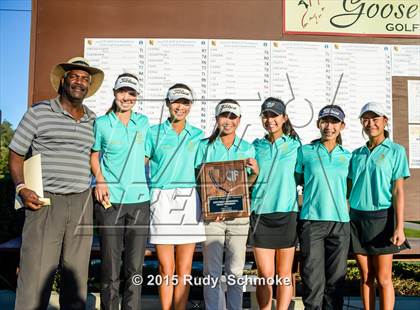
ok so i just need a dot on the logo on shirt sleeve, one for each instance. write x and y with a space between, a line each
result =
381 159
139 138
284 147
191 146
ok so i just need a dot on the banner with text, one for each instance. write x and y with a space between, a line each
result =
374 18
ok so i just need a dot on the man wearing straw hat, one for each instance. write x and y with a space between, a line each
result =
60 129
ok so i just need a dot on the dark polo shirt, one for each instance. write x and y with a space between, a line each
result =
64 144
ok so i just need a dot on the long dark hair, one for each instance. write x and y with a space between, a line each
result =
288 129
114 107
287 126
216 130
386 132
214 134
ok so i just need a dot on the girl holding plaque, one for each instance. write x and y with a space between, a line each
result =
377 174
324 232
223 234
273 221
117 161
175 223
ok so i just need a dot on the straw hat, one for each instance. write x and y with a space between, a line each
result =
77 63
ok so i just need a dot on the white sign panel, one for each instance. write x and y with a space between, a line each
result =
305 75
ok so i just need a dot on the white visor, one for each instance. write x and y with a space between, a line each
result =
127 81
374 107
179 93
228 107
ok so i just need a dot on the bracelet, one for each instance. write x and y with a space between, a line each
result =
19 187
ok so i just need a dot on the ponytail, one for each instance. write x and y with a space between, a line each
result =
339 139
214 135
288 130
113 107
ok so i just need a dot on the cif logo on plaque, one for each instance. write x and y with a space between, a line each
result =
224 190
232 175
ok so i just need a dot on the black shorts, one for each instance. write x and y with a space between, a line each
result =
371 232
273 230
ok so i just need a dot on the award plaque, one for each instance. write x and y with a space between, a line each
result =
224 190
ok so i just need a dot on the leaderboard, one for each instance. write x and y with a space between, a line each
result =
305 75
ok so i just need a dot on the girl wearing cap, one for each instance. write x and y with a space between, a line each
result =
121 190
377 174
175 224
324 233
224 145
273 221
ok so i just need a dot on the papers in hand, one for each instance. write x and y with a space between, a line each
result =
32 173
106 204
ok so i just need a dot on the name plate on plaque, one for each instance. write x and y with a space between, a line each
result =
224 190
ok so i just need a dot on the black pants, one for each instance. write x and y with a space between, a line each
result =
125 228
324 246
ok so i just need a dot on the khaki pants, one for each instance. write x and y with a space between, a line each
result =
60 232
232 236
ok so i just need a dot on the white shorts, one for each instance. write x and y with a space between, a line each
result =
175 216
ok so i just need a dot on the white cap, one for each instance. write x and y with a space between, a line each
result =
228 107
374 107
179 93
127 81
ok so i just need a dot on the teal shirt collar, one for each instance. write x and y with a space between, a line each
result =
235 144
113 118
387 143
283 138
167 126
318 144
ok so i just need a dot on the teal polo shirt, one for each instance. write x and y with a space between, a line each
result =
172 155
325 182
275 188
122 160
217 151
373 174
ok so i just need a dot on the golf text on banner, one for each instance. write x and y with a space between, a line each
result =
375 18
